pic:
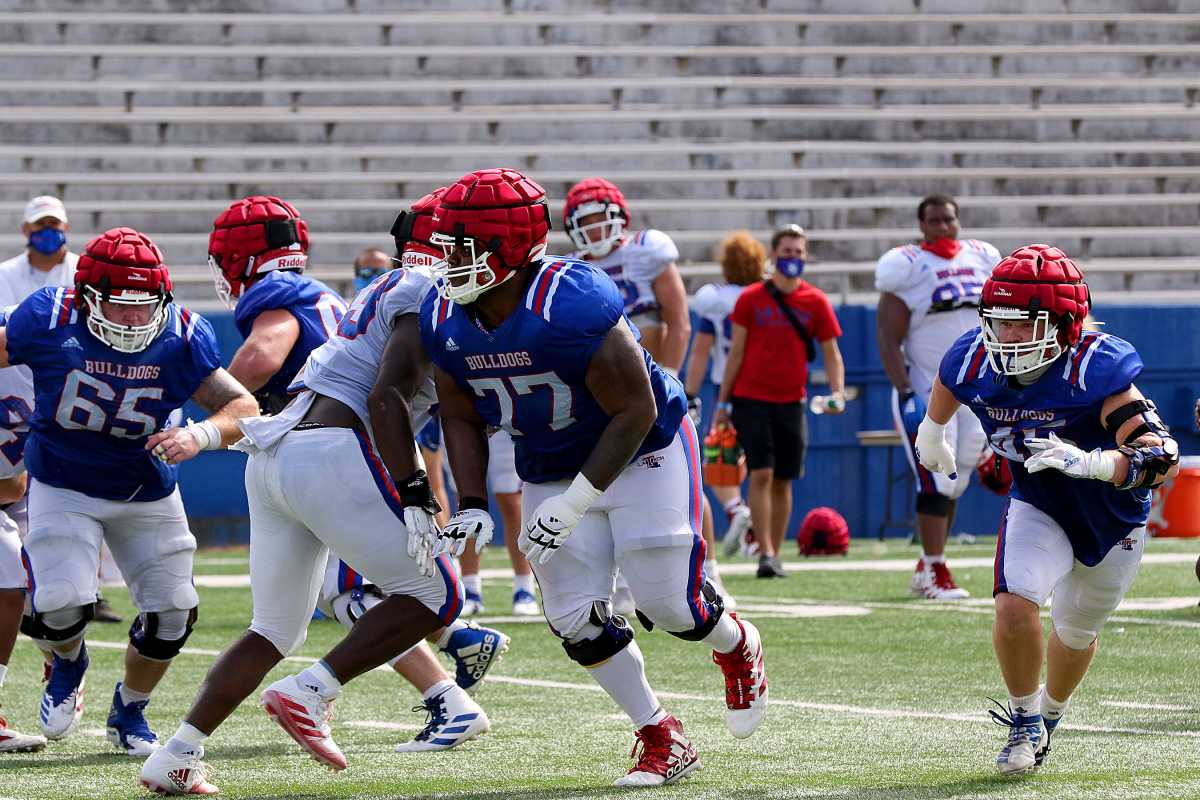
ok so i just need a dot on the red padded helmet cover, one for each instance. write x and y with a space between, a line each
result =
1040 277
501 209
122 258
263 228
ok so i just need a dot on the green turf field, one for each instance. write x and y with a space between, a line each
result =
873 695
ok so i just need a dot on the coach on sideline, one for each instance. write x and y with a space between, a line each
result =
775 325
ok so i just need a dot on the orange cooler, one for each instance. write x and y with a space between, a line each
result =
1176 508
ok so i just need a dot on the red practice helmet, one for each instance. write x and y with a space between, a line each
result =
413 229
499 221
124 267
1036 283
595 196
824 532
995 473
252 237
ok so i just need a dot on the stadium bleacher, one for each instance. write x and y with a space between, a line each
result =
1068 121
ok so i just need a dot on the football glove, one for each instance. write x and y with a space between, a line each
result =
468 523
932 451
912 411
695 410
555 519
420 508
1053 453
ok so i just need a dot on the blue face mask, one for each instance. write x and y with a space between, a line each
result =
364 275
47 241
790 267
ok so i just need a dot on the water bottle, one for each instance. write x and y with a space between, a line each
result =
824 403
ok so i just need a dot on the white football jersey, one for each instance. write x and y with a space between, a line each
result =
713 304
942 296
346 366
635 265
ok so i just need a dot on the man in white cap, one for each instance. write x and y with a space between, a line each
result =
46 260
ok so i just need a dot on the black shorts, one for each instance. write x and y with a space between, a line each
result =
773 435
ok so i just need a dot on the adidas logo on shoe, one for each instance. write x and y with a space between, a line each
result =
180 777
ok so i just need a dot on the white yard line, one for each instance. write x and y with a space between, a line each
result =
383 726
1145 706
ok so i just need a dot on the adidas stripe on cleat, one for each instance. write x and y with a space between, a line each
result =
305 717
666 755
169 774
62 701
454 718
475 650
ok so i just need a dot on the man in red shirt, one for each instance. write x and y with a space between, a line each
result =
764 386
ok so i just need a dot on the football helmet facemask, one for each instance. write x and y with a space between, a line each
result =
595 196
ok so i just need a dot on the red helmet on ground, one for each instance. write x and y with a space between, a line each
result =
1036 283
124 267
824 532
498 220
995 473
413 229
595 196
252 237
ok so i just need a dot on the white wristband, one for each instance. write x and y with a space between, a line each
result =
581 494
206 434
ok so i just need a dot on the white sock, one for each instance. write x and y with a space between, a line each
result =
473 583
451 629
732 504
319 675
710 569
725 636
438 688
3 672
1026 706
1053 709
523 583
930 560
132 695
624 678
187 739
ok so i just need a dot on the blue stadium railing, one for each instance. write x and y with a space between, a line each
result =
841 474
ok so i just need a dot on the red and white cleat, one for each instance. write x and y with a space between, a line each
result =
166 773
16 742
666 755
921 578
304 716
745 671
941 585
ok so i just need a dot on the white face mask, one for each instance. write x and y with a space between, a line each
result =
611 228
125 338
1020 358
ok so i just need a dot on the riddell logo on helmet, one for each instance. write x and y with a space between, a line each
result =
1002 292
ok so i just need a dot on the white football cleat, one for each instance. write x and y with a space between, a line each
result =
166 773
666 755
745 670
62 700
16 742
739 523
454 718
525 604
1019 756
921 578
304 715
472 604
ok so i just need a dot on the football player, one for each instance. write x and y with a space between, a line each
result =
929 296
743 260
329 456
642 265
540 346
1085 447
258 251
15 411
111 359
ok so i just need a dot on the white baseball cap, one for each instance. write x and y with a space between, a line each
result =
45 206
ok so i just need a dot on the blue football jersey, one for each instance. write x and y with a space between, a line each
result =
95 407
315 306
529 375
1066 400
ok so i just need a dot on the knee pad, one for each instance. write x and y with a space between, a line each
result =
61 626
1075 638
935 505
613 637
348 607
160 635
715 605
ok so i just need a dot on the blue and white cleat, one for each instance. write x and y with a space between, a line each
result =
454 718
1025 734
1043 750
525 604
127 727
475 651
62 700
472 604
